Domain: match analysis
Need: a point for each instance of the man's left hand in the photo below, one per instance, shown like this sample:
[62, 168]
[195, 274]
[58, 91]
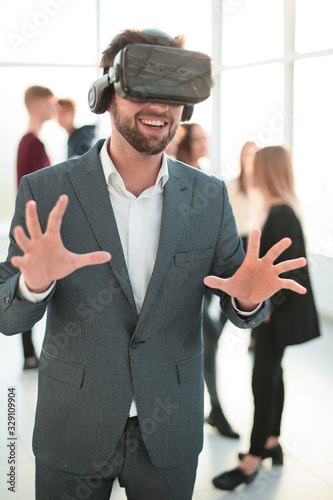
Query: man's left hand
[258, 279]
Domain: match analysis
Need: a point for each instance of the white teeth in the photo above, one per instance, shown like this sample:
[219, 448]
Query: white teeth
[153, 123]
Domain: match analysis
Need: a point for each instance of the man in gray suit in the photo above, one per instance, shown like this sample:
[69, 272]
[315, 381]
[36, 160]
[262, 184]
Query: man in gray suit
[120, 384]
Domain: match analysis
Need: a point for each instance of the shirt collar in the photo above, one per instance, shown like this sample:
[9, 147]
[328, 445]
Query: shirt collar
[112, 175]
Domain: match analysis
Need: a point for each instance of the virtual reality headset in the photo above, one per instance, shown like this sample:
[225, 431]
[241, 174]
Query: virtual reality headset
[155, 73]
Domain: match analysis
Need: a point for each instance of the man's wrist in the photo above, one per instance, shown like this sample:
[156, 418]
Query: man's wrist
[39, 290]
[26, 294]
[245, 305]
[241, 311]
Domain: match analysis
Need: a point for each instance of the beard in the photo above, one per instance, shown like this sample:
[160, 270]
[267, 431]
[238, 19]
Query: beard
[148, 146]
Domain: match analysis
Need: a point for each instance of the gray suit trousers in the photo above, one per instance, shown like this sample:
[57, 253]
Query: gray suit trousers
[130, 463]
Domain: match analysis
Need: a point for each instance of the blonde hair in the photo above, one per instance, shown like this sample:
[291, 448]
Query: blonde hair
[246, 148]
[273, 174]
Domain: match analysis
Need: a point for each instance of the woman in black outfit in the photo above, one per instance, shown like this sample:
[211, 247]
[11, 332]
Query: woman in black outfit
[292, 319]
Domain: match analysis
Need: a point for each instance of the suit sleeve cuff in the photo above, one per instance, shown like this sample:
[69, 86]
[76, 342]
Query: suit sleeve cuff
[25, 294]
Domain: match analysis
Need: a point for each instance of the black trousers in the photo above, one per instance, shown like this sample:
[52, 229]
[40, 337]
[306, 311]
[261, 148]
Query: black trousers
[28, 348]
[212, 331]
[267, 388]
[132, 466]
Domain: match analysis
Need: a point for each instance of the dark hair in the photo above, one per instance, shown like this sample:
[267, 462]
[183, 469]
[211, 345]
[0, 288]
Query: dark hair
[184, 146]
[129, 36]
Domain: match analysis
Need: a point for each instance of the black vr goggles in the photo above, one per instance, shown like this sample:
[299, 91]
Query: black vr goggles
[155, 73]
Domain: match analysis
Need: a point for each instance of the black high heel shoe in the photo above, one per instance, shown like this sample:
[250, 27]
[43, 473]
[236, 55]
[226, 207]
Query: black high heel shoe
[30, 363]
[276, 454]
[231, 479]
[217, 419]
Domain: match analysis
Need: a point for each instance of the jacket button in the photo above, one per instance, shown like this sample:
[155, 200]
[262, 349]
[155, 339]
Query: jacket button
[7, 298]
[136, 342]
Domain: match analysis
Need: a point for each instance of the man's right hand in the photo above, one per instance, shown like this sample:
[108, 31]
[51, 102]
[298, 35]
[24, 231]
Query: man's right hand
[45, 259]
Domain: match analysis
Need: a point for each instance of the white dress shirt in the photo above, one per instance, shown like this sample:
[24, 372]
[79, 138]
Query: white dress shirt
[138, 222]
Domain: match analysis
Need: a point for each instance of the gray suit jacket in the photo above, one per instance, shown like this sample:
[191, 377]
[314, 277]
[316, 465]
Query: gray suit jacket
[97, 352]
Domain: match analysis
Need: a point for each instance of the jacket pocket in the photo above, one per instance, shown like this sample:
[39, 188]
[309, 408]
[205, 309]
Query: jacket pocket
[188, 258]
[190, 368]
[67, 372]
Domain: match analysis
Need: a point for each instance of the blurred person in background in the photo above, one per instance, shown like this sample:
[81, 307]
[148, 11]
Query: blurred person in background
[292, 320]
[80, 139]
[41, 105]
[247, 206]
[246, 201]
[172, 148]
[192, 146]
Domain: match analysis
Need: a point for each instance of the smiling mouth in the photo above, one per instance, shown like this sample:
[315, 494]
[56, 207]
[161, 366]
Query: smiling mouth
[155, 124]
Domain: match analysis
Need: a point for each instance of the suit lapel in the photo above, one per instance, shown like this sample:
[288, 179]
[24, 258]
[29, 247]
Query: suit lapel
[90, 187]
[177, 198]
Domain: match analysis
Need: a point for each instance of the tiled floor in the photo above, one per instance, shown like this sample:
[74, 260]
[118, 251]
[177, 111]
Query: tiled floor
[307, 425]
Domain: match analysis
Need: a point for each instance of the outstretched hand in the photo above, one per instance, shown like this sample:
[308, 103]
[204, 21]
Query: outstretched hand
[258, 279]
[45, 259]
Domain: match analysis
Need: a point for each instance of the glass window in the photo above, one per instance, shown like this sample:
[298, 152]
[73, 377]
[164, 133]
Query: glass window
[49, 32]
[313, 132]
[313, 27]
[44, 42]
[64, 82]
[251, 109]
[251, 31]
[189, 17]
